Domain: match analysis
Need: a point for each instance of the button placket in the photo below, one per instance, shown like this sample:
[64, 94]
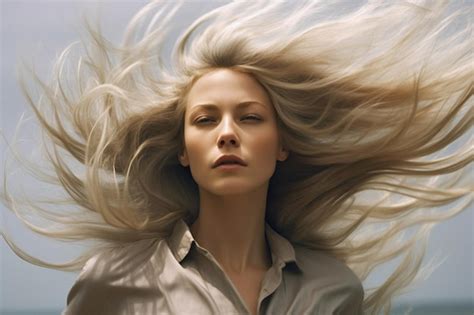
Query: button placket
[209, 291]
[270, 285]
[217, 266]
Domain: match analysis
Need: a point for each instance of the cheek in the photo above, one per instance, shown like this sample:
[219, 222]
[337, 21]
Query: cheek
[266, 146]
[194, 146]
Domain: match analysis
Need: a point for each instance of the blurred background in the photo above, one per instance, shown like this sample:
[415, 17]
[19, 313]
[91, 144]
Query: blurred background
[36, 32]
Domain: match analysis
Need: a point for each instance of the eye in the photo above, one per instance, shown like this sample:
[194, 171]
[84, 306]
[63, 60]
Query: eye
[252, 117]
[202, 120]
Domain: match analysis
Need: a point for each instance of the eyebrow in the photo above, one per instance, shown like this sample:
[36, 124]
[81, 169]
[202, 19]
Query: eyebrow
[212, 107]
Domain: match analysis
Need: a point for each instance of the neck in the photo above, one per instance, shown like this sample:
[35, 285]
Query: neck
[232, 229]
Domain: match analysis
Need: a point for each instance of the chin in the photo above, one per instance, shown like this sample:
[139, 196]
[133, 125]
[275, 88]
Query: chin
[231, 187]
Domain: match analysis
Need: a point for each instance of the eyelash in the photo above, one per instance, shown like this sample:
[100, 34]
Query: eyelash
[199, 121]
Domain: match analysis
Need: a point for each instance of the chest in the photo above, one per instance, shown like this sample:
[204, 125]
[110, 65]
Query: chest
[249, 286]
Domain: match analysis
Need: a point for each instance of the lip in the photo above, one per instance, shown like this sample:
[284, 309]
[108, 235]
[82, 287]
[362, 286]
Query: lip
[233, 158]
[229, 167]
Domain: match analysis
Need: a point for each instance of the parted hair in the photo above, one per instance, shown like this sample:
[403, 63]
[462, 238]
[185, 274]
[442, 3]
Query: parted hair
[367, 99]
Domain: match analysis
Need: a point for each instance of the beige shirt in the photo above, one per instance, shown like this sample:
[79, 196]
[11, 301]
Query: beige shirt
[177, 276]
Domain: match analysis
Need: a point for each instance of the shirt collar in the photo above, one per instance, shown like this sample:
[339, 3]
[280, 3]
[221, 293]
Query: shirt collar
[181, 240]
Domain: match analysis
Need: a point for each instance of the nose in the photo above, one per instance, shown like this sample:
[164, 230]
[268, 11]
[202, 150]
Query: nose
[228, 135]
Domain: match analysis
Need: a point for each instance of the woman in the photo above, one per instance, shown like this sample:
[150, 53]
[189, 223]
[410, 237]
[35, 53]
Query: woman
[318, 119]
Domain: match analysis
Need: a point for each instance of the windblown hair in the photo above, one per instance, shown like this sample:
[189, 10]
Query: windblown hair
[367, 101]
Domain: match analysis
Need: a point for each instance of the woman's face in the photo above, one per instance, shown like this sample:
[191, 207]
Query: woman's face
[238, 119]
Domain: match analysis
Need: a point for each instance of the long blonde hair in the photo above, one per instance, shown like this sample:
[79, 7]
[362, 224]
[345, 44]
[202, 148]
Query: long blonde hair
[367, 101]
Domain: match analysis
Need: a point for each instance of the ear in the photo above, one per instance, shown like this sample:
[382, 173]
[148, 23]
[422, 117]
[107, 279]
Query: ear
[183, 158]
[283, 154]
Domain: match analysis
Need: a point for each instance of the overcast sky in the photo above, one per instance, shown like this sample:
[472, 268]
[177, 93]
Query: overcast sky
[37, 31]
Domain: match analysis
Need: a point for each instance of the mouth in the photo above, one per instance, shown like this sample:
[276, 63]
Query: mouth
[229, 166]
[229, 161]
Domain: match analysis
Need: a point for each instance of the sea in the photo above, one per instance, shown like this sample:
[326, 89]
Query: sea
[466, 309]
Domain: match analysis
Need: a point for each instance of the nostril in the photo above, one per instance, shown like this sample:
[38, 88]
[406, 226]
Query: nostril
[222, 142]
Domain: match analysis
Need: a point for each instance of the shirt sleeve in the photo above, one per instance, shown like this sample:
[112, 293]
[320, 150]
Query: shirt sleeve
[332, 287]
[91, 294]
[353, 303]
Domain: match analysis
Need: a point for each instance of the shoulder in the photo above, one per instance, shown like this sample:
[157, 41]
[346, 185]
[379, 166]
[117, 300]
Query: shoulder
[317, 263]
[108, 276]
[331, 279]
[119, 261]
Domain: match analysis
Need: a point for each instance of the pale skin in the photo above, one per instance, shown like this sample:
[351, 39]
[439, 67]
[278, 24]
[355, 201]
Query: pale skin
[231, 221]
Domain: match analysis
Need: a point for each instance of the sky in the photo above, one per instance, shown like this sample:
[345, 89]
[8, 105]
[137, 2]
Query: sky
[36, 32]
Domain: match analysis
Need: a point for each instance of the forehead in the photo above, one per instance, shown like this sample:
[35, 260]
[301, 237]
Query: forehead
[226, 86]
